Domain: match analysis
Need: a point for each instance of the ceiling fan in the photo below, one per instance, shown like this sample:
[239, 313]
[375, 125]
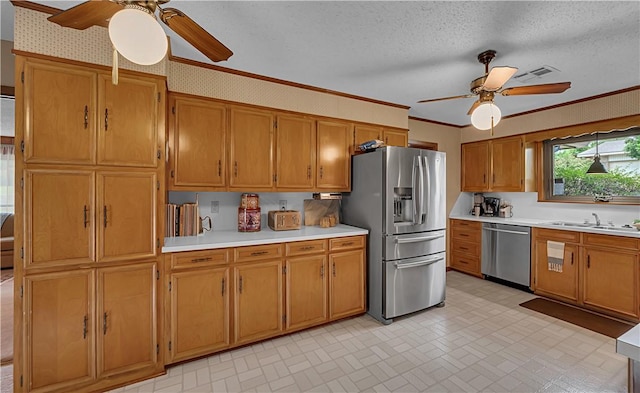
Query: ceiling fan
[490, 84]
[101, 12]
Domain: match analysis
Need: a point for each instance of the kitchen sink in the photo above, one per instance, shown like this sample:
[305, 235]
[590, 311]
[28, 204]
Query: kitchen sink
[592, 225]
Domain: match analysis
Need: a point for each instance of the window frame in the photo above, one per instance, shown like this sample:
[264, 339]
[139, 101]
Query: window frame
[546, 173]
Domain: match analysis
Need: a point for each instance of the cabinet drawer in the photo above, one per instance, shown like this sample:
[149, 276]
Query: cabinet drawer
[465, 225]
[466, 247]
[465, 262]
[559, 235]
[199, 258]
[255, 253]
[306, 247]
[593, 239]
[467, 235]
[346, 243]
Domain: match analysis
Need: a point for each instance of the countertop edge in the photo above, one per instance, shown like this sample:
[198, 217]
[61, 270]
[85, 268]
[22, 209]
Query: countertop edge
[539, 223]
[629, 343]
[232, 238]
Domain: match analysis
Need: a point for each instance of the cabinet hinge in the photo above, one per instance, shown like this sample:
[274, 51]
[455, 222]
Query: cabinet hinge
[22, 182]
[158, 155]
[21, 381]
[169, 291]
[22, 146]
[158, 185]
[169, 345]
[275, 124]
[172, 173]
[284, 319]
[284, 270]
[157, 274]
[173, 110]
[275, 177]
[157, 243]
[158, 96]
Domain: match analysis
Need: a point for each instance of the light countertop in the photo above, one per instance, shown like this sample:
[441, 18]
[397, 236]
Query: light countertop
[233, 238]
[629, 344]
[546, 223]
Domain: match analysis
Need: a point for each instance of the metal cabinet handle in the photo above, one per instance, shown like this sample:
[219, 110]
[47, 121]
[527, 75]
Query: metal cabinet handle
[572, 258]
[240, 286]
[322, 271]
[223, 287]
[257, 253]
[106, 119]
[196, 260]
[86, 218]
[219, 168]
[104, 215]
[85, 327]
[235, 168]
[86, 117]
[307, 248]
[588, 261]
[104, 324]
[321, 171]
[334, 269]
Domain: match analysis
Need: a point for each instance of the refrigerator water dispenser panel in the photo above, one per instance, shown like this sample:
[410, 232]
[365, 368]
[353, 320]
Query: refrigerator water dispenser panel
[402, 205]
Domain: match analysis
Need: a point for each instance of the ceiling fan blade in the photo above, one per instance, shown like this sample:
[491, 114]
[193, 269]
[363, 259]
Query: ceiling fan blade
[87, 14]
[549, 88]
[497, 77]
[186, 28]
[473, 107]
[447, 98]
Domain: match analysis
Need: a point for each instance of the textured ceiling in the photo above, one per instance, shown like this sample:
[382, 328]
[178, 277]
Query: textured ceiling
[402, 52]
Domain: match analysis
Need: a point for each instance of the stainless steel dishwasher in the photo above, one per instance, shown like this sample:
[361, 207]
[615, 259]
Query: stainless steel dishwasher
[506, 252]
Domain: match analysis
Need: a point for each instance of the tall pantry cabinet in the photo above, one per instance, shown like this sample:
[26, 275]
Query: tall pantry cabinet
[90, 168]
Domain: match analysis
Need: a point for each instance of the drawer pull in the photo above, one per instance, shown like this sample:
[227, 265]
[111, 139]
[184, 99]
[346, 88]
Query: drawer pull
[307, 248]
[258, 253]
[347, 244]
[464, 248]
[463, 262]
[196, 260]
[463, 234]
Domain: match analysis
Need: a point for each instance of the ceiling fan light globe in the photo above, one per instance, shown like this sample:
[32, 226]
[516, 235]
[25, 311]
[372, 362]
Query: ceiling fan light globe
[138, 36]
[481, 116]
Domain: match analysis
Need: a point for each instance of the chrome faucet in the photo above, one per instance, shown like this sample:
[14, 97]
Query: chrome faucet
[597, 219]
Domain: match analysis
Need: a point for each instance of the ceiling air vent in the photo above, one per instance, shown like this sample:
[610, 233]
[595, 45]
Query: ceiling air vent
[538, 73]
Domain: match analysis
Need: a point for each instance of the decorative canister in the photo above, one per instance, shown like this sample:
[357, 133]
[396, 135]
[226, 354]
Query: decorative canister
[250, 201]
[248, 220]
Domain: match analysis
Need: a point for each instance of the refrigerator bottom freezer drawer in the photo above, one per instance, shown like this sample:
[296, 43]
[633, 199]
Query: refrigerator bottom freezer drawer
[414, 284]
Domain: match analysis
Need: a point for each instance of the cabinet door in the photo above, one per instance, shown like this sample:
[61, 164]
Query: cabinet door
[198, 138]
[251, 149]
[126, 215]
[366, 133]
[396, 138]
[475, 166]
[199, 312]
[295, 153]
[127, 321]
[60, 105]
[128, 121]
[258, 301]
[507, 172]
[59, 217]
[59, 334]
[333, 170]
[346, 284]
[611, 280]
[563, 284]
[306, 291]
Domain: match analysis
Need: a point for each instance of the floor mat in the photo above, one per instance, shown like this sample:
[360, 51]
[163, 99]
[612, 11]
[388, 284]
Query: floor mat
[588, 320]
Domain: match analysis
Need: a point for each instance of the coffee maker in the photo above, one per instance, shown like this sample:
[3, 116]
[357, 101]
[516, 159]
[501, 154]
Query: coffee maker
[478, 204]
[491, 207]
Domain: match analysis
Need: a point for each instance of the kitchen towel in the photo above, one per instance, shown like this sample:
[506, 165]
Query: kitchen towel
[555, 255]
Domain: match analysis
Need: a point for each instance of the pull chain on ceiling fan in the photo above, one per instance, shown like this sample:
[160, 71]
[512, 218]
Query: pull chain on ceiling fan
[484, 113]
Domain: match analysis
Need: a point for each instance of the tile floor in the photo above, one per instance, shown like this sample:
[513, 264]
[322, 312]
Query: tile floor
[481, 341]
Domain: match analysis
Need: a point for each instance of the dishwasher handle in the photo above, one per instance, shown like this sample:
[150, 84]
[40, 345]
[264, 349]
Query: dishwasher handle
[418, 264]
[505, 231]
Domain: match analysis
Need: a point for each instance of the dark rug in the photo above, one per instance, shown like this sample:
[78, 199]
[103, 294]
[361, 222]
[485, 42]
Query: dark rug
[595, 322]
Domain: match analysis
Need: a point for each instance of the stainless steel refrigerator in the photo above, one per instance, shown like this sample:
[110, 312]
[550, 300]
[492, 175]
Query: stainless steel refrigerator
[398, 194]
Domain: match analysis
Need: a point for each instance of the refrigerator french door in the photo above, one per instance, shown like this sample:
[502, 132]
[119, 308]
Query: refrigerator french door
[398, 194]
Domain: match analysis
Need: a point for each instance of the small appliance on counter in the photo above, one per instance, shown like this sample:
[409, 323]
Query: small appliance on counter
[506, 210]
[284, 220]
[478, 204]
[249, 213]
[491, 207]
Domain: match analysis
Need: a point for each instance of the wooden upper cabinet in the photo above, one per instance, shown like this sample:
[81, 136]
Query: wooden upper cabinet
[507, 169]
[295, 152]
[475, 166]
[396, 137]
[333, 171]
[251, 149]
[127, 319]
[197, 144]
[75, 115]
[59, 217]
[60, 330]
[60, 114]
[364, 133]
[128, 121]
[126, 224]
[494, 165]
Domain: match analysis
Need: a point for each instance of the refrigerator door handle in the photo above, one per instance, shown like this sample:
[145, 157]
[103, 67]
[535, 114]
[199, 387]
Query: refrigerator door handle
[418, 239]
[417, 264]
[419, 198]
[414, 187]
[426, 188]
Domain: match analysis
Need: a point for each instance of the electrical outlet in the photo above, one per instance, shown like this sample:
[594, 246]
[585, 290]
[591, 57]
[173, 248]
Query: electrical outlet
[215, 206]
[283, 204]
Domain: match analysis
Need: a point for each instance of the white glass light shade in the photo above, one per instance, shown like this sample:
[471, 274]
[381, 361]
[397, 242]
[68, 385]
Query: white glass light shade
[138, 36]
[481, 117]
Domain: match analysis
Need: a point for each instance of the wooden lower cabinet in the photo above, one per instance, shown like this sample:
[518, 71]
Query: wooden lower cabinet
[258, 300]
[199, 312]
[306, 291]
[346, 284]
[554, 283]
[465, 246]
[86, 327]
